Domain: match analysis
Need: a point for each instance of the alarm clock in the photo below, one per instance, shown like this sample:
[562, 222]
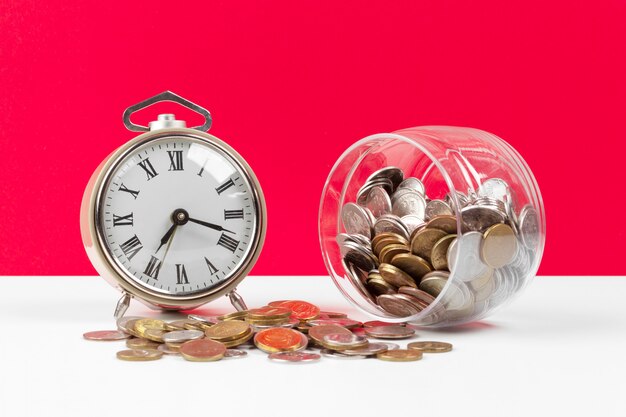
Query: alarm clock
[175, 217]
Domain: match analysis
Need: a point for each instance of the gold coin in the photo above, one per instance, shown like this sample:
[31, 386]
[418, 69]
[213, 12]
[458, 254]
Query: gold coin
[268, 313]
[395, 276]
[424, 240]
[156, 335]
[140, 343]
[139, 355]
[389, 251]
[439, 254]
[433, 285]
[227, 330]
[379, 286]
[400, 355]
[130, 327]
[194, 325]
[445, 223]
[142, 325]
[381, 244]
[237, 315]
[413, 265]
[430, 347]
[178, 324]
[174, 346]
[239, 341]
[389, 235]
[499, 245]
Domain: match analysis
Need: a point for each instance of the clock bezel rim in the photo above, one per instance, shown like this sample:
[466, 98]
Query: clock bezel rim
[109, 268]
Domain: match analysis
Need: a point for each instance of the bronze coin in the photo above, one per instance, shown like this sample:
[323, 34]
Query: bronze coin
[378, 286]
[400, 355]
[430, 347]
[395, 276]
[419, 294]
[396, 306]
[203, 350]
[413, 265]
[439, 254]
[424, 240]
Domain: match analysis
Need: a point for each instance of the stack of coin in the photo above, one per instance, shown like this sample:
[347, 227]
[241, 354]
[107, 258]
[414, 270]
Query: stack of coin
[400, 247]
[268, 328]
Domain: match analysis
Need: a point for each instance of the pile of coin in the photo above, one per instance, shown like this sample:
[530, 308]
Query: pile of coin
[287, 330]
[400, 247]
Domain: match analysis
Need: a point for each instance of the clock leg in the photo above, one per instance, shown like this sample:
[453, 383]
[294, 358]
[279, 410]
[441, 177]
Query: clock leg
[237, 301]
[122, 306]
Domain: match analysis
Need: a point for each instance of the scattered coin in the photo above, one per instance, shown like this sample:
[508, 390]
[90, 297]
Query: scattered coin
[106, 335]
[430, 347]
[235, 353]
[140, 343]
[294, 357]
[180, 336]
[339, 341]
[278, 339]
[370, 349]
[202, 350]
[139, 355]
[400, 355]
[167, 350]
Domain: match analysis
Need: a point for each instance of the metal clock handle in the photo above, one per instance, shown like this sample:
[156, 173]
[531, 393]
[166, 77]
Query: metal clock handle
[237, 300]
[166, 96]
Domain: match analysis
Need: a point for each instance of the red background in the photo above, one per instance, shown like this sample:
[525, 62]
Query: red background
[291, 84]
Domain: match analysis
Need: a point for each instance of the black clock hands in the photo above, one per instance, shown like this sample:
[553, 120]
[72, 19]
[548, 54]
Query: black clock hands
[166, 237]
[211, 225]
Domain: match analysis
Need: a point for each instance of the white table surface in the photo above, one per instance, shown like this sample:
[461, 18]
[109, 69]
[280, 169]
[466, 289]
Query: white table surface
[559, 349]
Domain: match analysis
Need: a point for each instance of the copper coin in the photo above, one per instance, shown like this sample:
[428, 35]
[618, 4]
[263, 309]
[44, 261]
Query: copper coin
[318, 333]
[202, 350]
[499, 245]
[390, 332]
[396, 306]
[106, 335]
[301, 310]
[424, 240]
[400, 355]
[294, 357]
[395, 276]
[430, 347]
[413, 265]
[278, 339]
[419, 294]
[379, 286]
[333, 315]
[377, 323]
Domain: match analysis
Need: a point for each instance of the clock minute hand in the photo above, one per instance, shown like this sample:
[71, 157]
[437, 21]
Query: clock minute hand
[211, 225]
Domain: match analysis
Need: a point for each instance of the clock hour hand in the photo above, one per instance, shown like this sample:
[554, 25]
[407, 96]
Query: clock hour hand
[211, 225]
[166, 237]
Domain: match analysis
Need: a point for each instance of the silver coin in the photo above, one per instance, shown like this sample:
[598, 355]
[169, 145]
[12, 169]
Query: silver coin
[180, 336]
[235, 353]
[414, 184]
[395, 175]
[203, 319]
[122, 321]
[338, 355]
[389, 345]
[457, 296]
[294, 357]
[481, 289]
[467, 265]
[529, 227]
[356, 220]
[357, 277]
[495, 188]
[359, 256]
[345, 340]
[361, 196]
[378, 202]
[409, 204]
[437, 208]
[461, 198]
[391, 223]
[167, 350]
[369, 350]
[479, 218]
[412, 223]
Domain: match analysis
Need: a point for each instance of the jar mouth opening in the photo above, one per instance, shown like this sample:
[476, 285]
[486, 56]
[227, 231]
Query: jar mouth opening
[357, 155]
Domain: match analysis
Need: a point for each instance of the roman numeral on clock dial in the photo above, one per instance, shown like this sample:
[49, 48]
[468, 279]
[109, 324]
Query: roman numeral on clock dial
[176, 160]
[129, 191]
[225, 186]
[131, 247]
[153, 268]
[233, 214]
[228, 242]
[146, 165]
[123, 220]
[212, 269]
[181, 274]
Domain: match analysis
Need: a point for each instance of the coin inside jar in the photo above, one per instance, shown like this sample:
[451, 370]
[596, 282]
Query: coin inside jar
[396, 306]
[499, 245]
[390, 332]
[445, 223]
[413, 265]
[389, 251]
[396, 276]
[439, 254]
[424, 240]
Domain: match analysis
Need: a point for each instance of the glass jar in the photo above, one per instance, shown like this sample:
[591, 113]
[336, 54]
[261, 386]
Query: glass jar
[478, 195]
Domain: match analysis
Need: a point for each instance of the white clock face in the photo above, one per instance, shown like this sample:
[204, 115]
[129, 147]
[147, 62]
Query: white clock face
[178, 216]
